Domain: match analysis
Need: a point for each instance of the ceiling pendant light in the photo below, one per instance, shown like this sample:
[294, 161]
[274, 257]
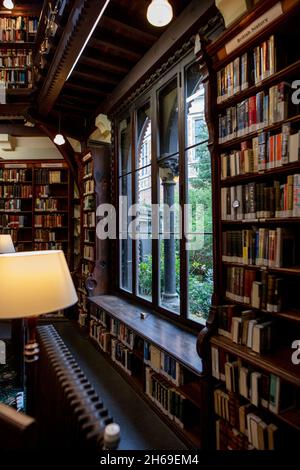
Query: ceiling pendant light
[59, 138]
[159, 13]
[9, 4]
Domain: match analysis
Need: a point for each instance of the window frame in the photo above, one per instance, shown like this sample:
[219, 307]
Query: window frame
[151, 96]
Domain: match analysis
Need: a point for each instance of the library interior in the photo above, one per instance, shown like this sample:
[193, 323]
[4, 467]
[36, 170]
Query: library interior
[149, 196]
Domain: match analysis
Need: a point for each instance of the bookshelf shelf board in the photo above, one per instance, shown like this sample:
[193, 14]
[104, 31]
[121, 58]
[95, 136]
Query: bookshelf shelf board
[16, 197]
[54, 211]
[88, 210]
[291, 314]
[8, 182]
[51, 197]
[86, 242]
[281, 220]
[90, 260]
[291, 417]
[18, 44]
[268, 82]
[51, 184]
[166, 336]
[247, 136]
[278, 362]
[287, 169]
[51, 228]
[295, 270]
[86, 177]
[14, 211]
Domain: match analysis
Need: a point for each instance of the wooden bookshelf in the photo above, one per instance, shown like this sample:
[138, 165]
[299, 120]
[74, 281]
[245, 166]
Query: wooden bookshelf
[237, 81]
[169, 340]
[45, 233]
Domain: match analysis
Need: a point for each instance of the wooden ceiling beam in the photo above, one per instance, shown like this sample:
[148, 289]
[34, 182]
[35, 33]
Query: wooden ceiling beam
[84, 89]
[97, 77]
[19, 130]
[108, 65]
[80, 22]
[116, 49]
[128, 31]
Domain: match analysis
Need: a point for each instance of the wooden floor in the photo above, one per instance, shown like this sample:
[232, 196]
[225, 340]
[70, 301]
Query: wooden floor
[141, 428]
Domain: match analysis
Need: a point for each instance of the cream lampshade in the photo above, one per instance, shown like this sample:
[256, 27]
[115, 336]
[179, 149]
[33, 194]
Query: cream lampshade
[6, 244]
[34, 283]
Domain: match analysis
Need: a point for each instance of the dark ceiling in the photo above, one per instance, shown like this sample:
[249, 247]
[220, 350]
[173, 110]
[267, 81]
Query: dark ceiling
[122, 37]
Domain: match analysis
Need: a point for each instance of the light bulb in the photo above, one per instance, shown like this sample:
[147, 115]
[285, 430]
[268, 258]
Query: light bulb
[59, 139]
[9, 4]
[159, 13]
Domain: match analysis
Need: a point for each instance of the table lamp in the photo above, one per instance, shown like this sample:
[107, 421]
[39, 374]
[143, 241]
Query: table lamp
[6, 244]
[33, 284]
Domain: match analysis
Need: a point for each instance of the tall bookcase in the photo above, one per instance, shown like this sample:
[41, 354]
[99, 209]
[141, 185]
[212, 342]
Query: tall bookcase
[17, 39]
[88, 234]
[35, 205]
[94, 252]
[254, 141]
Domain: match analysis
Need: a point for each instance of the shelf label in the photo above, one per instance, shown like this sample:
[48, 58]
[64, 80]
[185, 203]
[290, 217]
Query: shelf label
[15, 165]
[87, 157]
[52, 165]
[254, 28]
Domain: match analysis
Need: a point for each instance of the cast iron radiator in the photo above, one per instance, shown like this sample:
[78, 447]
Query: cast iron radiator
[68, 411]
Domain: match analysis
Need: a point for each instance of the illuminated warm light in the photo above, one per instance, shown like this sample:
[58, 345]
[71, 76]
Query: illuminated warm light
[88, 38]
[59, 139]
[9, 4]
[159, 13]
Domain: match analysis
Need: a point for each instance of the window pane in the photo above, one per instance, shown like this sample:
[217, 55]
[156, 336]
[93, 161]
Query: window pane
[168, 119]
[143, 137]
[144, 228]
[196, 128]
[169, 228]
[125, 239]
[199, 189]
[125, 145]
[200, 277]
[199, 233]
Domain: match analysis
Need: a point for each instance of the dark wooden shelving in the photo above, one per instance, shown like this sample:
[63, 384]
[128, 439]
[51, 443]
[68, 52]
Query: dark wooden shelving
[274, 127]
[283, 74]
[295, 270]
[278, 362]
[278, 221]
[283, 170]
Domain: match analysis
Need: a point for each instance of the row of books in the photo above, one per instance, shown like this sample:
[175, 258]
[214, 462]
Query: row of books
[100, 334]
[170, 401]
[242, 286]
[42, 191]
[14, 221]
[22, 58]
[85, 268]
[15, 175]
[89, 235]
[10, 205]
[98, 314]
[16, 76]
[46, 204]
[53, 220]
[89, 252]
[117, 350]
[45, 235]
[89, 220]
[262, 200]
[249, 69]
[19, 23]
[260, 247]
[264, 152]
[89, 187]
[44, 176]
[162, 363]
[122, 332]
[48, 246]
[255, 113]
[88, 168]
[89, 203]
[15, 191]
[251, 431]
